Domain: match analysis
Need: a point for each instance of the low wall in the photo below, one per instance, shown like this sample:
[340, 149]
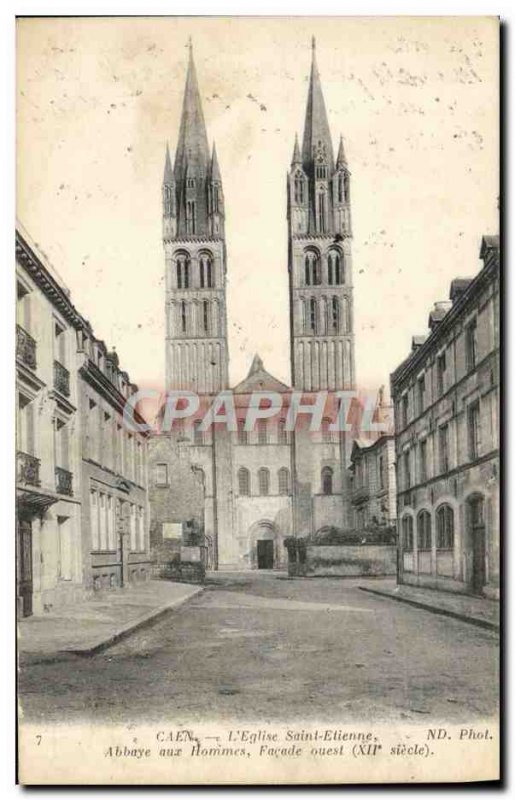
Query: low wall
[348, 560]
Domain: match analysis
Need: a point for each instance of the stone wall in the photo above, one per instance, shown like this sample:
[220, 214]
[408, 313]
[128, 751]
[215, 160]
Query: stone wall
[322, 560]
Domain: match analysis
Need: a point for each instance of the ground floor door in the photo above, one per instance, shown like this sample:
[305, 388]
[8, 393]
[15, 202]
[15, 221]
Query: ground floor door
[265, 553]
[24, 571]
[477, 539]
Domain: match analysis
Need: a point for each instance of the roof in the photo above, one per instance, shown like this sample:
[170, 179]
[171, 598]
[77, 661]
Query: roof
[192, 145]
[316, 125]
[259, 380]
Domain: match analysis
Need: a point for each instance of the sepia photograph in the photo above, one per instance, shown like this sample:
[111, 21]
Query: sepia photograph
[258, 400]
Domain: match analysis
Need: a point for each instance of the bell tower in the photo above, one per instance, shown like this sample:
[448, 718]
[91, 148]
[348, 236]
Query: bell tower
[195, 255]
[319, 254]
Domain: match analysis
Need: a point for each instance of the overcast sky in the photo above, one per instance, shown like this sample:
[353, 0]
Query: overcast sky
[415, 99]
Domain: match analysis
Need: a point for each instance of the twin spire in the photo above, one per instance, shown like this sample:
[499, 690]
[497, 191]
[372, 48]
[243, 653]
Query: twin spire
[317, 135]
[192, 155]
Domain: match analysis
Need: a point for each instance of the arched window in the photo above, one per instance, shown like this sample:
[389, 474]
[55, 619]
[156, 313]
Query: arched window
[167, 201]
[205, 316]
[299, 188]
[243, 437]
[198, 435]
[313, 320]
[206, 271]
[345, 324]
[244, 481]
[327, 480]
[191, 222]
[312, 276]
[282, 433]
[334, 268]
[183, 317]
[183, 271]
[424, 530]
[341, 187]
[321, 207]
[445, 528]
[262, 432]
[407, 533]
[335, 315]
[283, 478]
[264, 481]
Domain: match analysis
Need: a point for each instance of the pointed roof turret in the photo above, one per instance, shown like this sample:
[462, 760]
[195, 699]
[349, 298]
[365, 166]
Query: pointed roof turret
[316, 126]
[168, 176]
[296, 159]
[215, 169]
[192, 146]
[341, 161]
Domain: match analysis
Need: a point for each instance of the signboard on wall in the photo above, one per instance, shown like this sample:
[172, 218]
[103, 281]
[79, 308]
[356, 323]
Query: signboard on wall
[172, 530]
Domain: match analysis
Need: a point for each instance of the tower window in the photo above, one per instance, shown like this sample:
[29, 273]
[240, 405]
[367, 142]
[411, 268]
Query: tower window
[190, 183]
[299, 188]
[334, 268]
[205, 316]
[321, 212]
[190, 217]
[321, 172]
[167, 201]
[206, 271]
[341, 188]
[313, 315]
[335, 315]
[183, 316]
[183, 271]
[312, 276]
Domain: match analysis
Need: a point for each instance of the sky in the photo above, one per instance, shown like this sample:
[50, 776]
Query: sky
[416, 100]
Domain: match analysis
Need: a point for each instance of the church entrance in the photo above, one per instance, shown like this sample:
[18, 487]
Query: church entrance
[265, 554]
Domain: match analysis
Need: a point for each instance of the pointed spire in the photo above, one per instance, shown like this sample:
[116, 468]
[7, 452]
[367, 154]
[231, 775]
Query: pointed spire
[215, 169]
[296, 159]
[341, 161]
[316, 126]
[192, 146]
[168, 177]
[256, 366]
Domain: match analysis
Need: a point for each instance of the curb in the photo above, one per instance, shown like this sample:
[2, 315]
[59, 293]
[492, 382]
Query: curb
[131, 627]
[477, 621]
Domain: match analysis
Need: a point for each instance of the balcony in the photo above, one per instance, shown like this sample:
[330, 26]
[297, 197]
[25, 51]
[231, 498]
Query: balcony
[27, 469]
[61, 379]
[63, 481]
[25, 348]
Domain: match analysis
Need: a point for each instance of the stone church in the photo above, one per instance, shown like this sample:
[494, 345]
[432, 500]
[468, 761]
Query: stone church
[251, 489]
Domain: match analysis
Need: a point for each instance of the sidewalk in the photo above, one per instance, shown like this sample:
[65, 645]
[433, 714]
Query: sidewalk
[475, 610]
[89, 627]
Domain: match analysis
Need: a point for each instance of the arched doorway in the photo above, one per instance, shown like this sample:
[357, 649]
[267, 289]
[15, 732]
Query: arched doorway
[264, 545]
[477, 543]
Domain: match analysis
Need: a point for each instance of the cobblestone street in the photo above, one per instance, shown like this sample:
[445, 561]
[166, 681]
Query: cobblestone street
[260, 646]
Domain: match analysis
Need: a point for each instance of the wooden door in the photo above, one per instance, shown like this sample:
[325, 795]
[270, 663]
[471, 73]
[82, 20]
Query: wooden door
[477, 534]
[265, 554]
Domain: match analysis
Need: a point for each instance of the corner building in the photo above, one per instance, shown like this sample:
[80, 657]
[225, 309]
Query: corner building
[263, 485]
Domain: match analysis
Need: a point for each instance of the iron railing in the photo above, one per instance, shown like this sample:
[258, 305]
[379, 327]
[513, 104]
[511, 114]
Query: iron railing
[25, 347]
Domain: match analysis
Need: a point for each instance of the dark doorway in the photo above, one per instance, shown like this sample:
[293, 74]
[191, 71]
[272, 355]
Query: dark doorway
[25, 566]
[477, 539]
[265, 553]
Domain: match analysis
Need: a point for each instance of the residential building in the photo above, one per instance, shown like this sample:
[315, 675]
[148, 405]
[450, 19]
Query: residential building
[446, 397]
[81, 496]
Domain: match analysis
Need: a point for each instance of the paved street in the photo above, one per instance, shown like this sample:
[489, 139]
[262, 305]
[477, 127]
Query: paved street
[261, 646]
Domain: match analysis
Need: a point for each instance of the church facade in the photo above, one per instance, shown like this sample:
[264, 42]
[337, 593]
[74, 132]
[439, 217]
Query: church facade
[262, 485]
